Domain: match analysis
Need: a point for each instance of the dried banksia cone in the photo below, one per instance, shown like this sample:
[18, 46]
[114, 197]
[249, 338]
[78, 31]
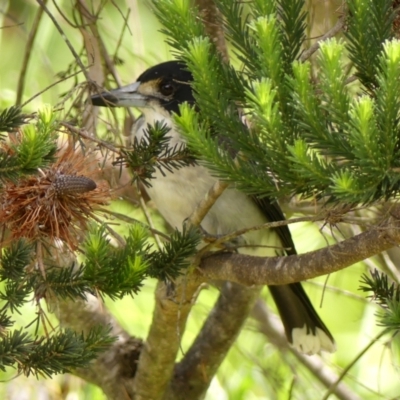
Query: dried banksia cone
[58, 203]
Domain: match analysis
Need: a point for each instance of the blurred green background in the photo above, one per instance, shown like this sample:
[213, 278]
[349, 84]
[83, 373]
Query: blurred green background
[254, 370]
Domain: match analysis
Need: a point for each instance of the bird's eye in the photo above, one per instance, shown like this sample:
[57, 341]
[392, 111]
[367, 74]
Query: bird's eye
[167, 89]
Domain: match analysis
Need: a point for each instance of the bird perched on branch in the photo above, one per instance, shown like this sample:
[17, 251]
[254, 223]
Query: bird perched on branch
[158, 92]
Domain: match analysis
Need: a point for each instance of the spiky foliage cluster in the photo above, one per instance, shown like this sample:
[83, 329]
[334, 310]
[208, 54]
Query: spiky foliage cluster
[49, 199]
[106, 271]
[62, 351]
[30, 148]
[309, 132]
[152, 153]
[11, 119]
[171, 261]
[125, 267]
[310, 137]
[387, 295]
[379, 20]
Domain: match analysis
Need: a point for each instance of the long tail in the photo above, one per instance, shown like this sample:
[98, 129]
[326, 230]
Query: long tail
[303, 327]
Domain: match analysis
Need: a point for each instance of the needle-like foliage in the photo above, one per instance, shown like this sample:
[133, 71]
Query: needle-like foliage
[170, 262]
[152, 153]
[60, 353]
[11, 119]
[304, 136]
[275, 125]
[387, 295]
[269, 123]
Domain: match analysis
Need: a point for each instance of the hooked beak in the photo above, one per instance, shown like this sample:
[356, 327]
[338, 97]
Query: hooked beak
[126, 96]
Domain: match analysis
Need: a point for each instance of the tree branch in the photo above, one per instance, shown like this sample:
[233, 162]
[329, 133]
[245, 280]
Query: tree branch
[113, 370]
[193, 375]
[64, 36]
[252, 270]
[331, 33]
[211, 18]
[157, 359]
[206, 203]
[27, 54]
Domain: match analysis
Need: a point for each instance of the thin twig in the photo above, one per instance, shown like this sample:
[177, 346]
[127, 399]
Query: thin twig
[124, 27]
[149, 220]
[215, 242]
[27, 54]
[273, 330]
[206, 203]
[130, 220]
[49, 87]
[68, 43]
[331, 33]
[84, 133]
[268, 225]
[70, 23]
[350, 365]
[334, 289]
[391, 266]
[39, 258]
[116, 235]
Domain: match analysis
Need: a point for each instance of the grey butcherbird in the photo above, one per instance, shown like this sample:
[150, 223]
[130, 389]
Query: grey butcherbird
[157, 93]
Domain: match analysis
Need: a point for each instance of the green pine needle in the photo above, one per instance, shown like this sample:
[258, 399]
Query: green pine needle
[115, 272]
[15, 259]
[173, 259]
[383, 291]
[387, 295]
[11, 119]
[153, 152]
[60, 353]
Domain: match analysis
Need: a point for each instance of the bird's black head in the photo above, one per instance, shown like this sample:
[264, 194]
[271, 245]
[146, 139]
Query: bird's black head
[165, 85]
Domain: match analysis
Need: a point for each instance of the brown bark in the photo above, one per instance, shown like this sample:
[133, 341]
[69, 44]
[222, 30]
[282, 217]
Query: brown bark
[211, 18]
[193, 375]
[114, 370]
[157, 359]
[251, 270]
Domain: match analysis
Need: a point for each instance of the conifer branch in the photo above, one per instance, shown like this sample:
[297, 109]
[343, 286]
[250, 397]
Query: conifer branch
[61, 352]
[153, 153]
[387, 295]
[169, 262]
[114, 369]
[11, 119]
